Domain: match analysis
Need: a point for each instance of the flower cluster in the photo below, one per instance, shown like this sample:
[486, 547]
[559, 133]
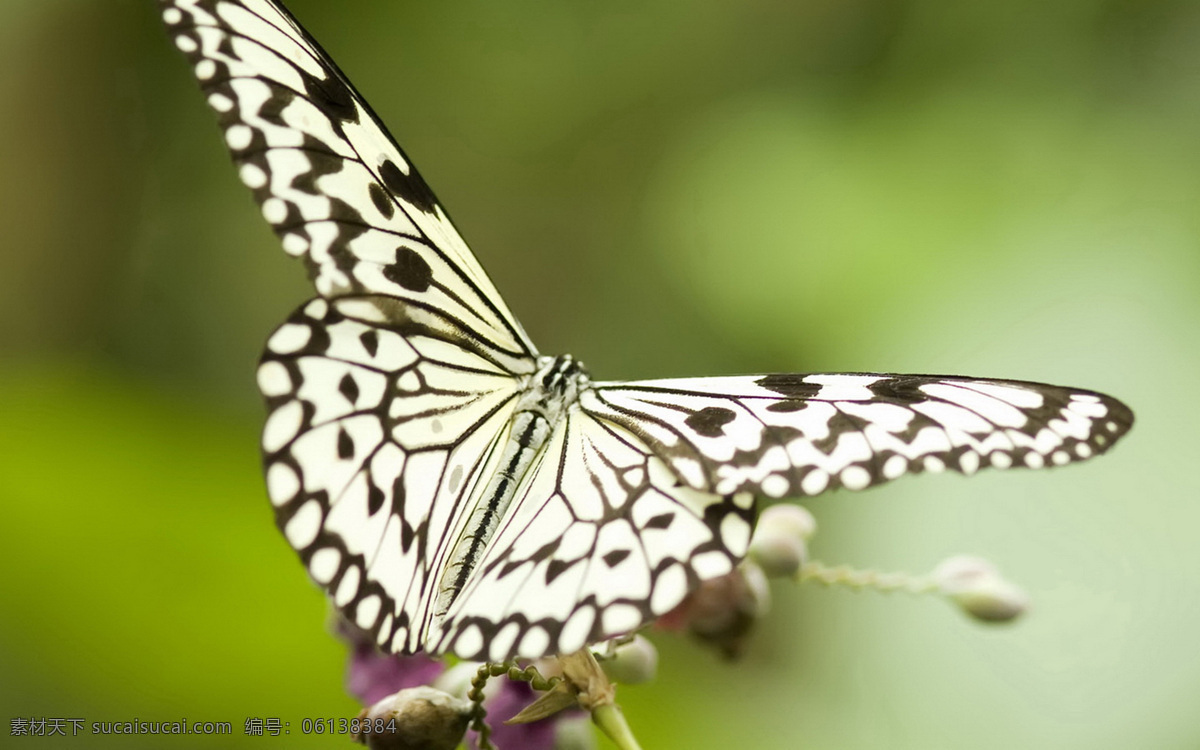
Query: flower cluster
[423, 703]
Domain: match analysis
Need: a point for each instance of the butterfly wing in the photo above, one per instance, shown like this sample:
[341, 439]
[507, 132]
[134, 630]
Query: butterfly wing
[389, 397]
[377, 437]
[601, 539]
[329, 178]
[800, 435]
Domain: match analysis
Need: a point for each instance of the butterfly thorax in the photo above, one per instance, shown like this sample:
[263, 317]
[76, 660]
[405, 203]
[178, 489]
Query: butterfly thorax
[554, 386]
[549, 393]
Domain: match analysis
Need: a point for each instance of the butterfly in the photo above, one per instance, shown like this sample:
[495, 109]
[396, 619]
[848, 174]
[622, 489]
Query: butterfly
[455, 491]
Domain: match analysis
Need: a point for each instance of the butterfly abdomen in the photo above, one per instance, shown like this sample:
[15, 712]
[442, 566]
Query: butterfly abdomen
[550, 392]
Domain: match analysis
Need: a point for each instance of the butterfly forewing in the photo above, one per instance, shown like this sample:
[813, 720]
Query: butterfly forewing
[329, 178]
[793, 435]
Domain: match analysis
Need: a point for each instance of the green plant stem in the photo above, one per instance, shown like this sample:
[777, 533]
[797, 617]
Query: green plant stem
[844, 575]
[612, 722]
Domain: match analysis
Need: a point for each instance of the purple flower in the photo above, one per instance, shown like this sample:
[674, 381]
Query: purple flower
[372, 676]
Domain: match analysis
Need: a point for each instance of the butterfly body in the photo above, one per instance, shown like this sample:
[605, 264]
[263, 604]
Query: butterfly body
[455, 492]
[551, 390]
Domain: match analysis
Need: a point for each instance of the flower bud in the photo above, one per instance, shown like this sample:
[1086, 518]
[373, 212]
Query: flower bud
[457, 679]
[978, 589]
[722, 610]
[419, 718]
[759, 602]
[792, 518]
[778, 556]
[779, 542]
[633, 663]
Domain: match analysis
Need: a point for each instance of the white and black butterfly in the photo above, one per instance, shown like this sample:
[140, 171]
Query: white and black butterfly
[456, 492]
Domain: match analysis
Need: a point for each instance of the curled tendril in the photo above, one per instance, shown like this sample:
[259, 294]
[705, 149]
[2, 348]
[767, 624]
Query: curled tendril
[478, 712]
[513, 671]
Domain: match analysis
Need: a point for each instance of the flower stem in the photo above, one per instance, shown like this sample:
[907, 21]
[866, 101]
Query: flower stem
[612, 722]
[844, 575]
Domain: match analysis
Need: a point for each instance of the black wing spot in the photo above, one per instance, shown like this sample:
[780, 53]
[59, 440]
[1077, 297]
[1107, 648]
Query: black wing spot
[370, 341]
[509, 567]
[790, 385]
[321, 164]
[351, 222]
[375, 498]
[348, 388]
[272, 109]
[332, 97]
[661, 521]
[410, 187]
[556, 567]
[382, 200]
[839, 424]
[225, 46]
[345, 446]
[790, 405]
[711, 420]
[410, 270]
[906, 390]
[615, 558]
[547, 549]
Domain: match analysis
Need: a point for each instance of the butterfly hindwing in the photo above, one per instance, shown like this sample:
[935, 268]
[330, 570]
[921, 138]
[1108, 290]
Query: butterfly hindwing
[791, 435]
[603, 538]
[329, 178]
[376, 439]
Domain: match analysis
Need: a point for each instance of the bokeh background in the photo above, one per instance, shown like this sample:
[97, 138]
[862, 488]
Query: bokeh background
[661, 188]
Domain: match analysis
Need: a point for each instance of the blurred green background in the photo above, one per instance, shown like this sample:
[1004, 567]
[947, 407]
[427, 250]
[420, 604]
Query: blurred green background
[661, 188]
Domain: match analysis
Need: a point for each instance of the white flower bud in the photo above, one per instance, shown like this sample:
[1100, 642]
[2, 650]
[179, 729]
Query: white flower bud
[457, 679]
[779, 541]
[978, 589]
[759, 588]
[795, 518]
[419, 718]
[778, 556]
[962, 572]
[633, 663]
